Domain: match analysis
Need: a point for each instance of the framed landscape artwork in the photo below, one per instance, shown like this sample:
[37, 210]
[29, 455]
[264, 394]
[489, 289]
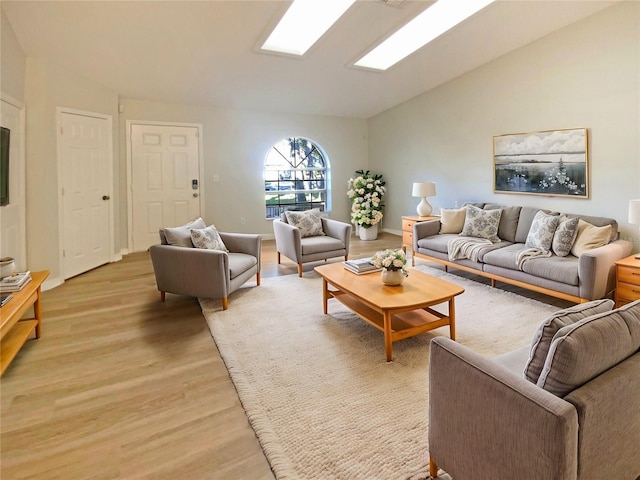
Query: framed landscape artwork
[550, 162]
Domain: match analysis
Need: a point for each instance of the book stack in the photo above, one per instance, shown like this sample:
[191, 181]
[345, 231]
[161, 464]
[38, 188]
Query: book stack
[360, 266]
[15, 282]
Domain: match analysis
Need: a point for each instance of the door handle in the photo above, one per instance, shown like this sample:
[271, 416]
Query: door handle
[106, 197]
[195, 195]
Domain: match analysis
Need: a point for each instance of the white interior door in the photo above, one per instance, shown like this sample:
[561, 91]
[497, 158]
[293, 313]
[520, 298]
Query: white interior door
[165, 179]
[85, 148]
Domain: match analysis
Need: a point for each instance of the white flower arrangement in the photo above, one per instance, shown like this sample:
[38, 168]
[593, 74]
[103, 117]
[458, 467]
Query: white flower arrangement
[391, 259]
[366, 192]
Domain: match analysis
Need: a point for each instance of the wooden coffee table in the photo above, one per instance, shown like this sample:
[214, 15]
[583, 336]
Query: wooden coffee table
[399, 311]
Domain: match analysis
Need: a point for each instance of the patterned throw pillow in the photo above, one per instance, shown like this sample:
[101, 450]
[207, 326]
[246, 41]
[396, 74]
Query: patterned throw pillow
[208, 238]
[452, 220]
[181, 236]
[589, 237]
[482, 223]
[547, 330]
[541, 231]
[565, 235]
[308, 222]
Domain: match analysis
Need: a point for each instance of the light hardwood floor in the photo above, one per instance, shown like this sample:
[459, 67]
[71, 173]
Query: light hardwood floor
[123, 386]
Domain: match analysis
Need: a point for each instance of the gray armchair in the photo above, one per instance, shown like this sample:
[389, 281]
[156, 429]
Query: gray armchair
[291, 244]
[207, 273]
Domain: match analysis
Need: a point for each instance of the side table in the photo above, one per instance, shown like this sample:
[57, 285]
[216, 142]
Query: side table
[14, 330]
[407, 229]
[627, 280]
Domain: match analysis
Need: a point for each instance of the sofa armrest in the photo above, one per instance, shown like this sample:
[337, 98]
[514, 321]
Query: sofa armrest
[243, 243]
[596, 269]
[288, 240]
[486, 422]
[423, 230]
[197, 272]
[337, 229]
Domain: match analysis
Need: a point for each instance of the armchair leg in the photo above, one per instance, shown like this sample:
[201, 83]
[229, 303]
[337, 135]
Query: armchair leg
[433, 468]
[278, 258]
[225, 303]
[258, 279]
[162, 294]
[346, 257]
[300, 270]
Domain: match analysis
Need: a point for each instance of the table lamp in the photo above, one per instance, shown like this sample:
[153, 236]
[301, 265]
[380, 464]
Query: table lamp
[634, 214]
[424, 190]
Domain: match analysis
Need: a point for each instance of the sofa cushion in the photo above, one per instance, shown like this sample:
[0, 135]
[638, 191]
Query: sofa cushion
[584, 350]
[318, 244]
[558, 269]
[541, 232]
[590, 237]
[240, 263]
[452, 219]
[504, 257]
[208, 238]
[180, 236]
[547, 330]
[565, 235]
[527, 214]
[308, 222]
[481, 223]
[508, 221]
[600, 222]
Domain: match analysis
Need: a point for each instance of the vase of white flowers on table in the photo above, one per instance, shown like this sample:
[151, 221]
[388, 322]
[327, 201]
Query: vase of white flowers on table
[393, 264]
[366, 192]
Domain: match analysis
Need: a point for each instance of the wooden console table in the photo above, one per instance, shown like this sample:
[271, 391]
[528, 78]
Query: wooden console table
[15, 331]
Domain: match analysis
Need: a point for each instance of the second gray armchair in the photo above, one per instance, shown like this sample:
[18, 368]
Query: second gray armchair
[303, 245]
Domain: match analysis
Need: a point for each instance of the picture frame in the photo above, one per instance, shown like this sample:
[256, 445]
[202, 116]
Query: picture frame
[546, 162]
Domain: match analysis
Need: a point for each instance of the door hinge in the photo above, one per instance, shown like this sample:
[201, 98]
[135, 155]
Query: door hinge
[61, 130]
[64, 253]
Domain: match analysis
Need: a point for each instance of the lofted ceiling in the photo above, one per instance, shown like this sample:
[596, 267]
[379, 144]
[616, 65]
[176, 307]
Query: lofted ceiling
[207, 52]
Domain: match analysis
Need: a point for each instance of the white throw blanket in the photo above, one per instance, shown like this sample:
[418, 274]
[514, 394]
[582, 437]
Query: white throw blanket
[528, 254]
[466, 247]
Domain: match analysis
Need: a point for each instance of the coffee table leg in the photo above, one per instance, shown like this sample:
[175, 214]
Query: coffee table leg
[388, 344]
[325, 293]
[452, 318]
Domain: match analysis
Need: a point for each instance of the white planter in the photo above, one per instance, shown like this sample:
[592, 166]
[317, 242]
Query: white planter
[392, 277]
[370, 233]
[7, 267]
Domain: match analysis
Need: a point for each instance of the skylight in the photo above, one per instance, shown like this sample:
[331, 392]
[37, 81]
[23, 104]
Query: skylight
[303, 24]
[429, 25]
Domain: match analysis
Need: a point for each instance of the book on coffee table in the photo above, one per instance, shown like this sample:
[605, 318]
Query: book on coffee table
[361, 266]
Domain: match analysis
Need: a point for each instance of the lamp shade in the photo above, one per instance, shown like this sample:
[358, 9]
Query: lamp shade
[424, 189]
[634, 212]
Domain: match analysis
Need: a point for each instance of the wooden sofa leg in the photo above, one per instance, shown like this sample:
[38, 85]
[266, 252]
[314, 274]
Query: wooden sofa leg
[278, 258]
[162, 296]
[300, 270]
[433, 468]
[258, 279]
[225, 303]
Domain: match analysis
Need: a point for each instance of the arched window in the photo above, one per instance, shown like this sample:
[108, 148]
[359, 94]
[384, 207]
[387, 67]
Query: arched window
[296, 177]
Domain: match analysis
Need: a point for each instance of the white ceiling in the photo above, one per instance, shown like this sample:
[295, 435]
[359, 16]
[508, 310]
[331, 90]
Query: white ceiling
[206, 52]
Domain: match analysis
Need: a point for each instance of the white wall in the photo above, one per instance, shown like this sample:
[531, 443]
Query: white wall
[235, 144]
[12, 60]
[585, 75]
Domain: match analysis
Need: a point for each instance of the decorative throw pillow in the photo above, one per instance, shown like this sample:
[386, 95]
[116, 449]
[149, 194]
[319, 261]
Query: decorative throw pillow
[309, 222]
[582, 351]
[543, 337]
[452, 219]
[541, 231]
[590, 237]
[481, 223]
[208, 238]
[181, 236]
[565, 235]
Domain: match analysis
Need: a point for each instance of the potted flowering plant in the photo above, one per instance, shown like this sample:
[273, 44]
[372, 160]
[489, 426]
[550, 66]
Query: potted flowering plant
[393, 264]
[366, 192]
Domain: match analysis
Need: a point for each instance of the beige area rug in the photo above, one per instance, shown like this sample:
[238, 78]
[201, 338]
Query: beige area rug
[317, 389]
